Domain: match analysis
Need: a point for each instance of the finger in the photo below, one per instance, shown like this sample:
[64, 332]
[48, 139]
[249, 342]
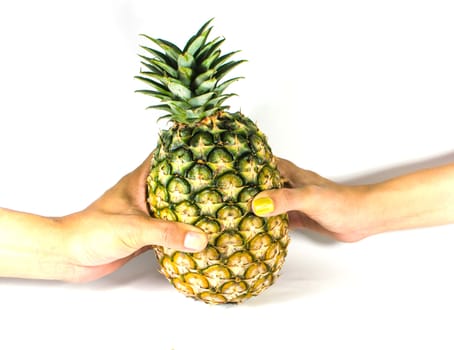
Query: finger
[143, 169]
[275, 202]
[129, 191]
[145, 231]
[297, 177]
[134, 184]
[288, 170]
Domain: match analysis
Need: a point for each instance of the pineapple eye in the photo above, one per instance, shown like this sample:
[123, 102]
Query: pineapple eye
[268, 178]
[209, 254]
[272, 251]
[230, 184]
[220, 155]
[217, 272]
[166, 214]
[228, 180]
[184, 262]
[181, 159]
[199, 176]
[187, 212]
[247, 194]
[229, 215]
[235, 143]
[278, 260]
[201, 143]
[229, 242]
[229, 211]
[256, 269]
[178, 189]
[179, 137]
[240, 259]
[226, 123]
[208, 225]
[212, 298]
[158, 199]
[208, 197]
[260, 147]
[201, 139]
[259, 245]
[169, 266]
[259, 242]
[196, 280]
[200, 172]
[183, 287]
[252, 223]
[208, 201]
[262, 283]
[165, 137]
[231, 138]
[220, 160]
[162, 168]
[234, 288]
[277, 226]
[249, 166]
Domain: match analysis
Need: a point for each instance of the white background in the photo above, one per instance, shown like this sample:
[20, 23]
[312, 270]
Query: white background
[355, 90]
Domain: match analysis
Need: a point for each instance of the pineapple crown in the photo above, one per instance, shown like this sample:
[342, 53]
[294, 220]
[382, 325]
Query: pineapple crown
[188, 81]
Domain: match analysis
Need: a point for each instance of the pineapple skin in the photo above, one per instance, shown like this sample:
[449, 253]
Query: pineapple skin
[206, 174]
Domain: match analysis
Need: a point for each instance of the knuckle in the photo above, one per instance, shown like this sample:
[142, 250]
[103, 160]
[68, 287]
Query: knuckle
[165, 235]
[286, 197]
[132, 237]
[168, 234]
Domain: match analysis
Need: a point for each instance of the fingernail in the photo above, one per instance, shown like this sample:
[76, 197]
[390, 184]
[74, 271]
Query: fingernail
[263, 205]
[195, 241]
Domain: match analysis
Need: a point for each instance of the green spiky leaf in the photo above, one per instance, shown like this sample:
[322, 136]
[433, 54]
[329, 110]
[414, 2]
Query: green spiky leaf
[208, 62]
[169, 48]
[166, 68]
[159, 87]
[207, 85]
[198, 40]
[210, 48]
[189, 82]
[185, 75]
[225, 68]
[186, 60]
[221, 87]
[158, 54]
[179, 90]
[204, 76]
[201, 100]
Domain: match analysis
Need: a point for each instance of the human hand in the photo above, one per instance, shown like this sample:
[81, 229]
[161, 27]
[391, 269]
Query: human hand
[317, 203]
[117, 227]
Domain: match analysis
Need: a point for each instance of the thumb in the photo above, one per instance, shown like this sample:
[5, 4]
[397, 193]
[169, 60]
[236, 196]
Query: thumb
[275, 202]
[168, 234]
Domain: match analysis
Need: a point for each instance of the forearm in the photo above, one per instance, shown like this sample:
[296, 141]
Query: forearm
[421, 199]
[31, 246]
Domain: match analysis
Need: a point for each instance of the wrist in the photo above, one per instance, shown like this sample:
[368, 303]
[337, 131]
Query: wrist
[386, 208]
[362, 217]
[372, 208]
[50, 252]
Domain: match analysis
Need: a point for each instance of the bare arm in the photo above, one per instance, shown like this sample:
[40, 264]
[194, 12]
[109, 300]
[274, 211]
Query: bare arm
[423, 198]
[31, 246]
[350, 213]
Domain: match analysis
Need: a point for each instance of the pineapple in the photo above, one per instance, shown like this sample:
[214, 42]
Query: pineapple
[206, 169]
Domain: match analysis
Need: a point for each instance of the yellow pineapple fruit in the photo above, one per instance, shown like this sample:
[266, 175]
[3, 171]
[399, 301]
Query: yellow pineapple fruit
[205, 171]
